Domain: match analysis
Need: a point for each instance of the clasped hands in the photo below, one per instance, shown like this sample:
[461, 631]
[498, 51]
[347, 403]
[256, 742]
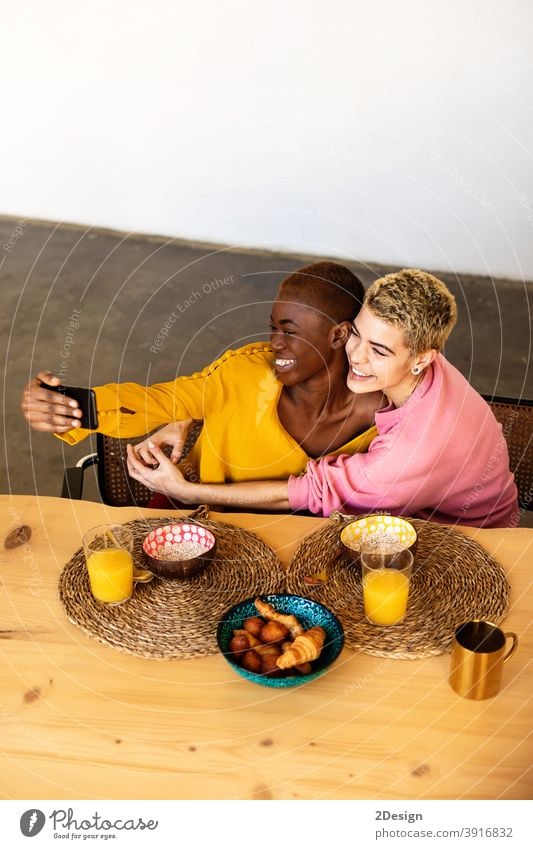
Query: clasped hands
[149, 465]
[166, 477]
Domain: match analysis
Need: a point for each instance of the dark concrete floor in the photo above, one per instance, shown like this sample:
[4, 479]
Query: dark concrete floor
[126, 287]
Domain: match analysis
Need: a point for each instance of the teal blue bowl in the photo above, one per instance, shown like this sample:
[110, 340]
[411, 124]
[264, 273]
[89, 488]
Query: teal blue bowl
[308, 613]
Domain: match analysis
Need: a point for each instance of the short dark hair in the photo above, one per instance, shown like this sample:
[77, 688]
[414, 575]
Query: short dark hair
[328, 287]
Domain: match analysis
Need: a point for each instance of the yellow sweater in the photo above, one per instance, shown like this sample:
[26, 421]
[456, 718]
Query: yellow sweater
[237, 398]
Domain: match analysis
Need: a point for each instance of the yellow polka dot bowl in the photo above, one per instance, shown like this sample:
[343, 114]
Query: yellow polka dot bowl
[380, 532]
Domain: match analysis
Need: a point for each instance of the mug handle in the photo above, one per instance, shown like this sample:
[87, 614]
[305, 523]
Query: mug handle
[514, 645]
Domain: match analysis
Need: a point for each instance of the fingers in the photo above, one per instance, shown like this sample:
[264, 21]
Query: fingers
[165, 478]
[132, 461]
[136, 467]
[137, 463]
[166, 465]
[56, 424]
[144, 474]
[177, 451]
[162, 437]
[39, 392]
[181, 430]
[46, 410]
[172, 435]
[158, 456]
[142, 453]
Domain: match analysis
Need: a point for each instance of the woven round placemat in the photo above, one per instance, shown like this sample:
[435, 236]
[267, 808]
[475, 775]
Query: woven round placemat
[167, 619]
[454, 580]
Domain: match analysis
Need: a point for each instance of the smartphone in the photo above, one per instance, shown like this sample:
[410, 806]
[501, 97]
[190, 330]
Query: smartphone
[86, 399]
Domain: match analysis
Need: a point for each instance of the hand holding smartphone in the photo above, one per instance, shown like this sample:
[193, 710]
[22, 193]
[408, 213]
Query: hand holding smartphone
[86, 399]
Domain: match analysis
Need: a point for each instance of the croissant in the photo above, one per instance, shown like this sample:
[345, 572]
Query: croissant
[289, 621]
[306, 646]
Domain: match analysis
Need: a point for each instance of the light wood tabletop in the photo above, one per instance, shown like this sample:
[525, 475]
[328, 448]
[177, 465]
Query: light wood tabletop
[80, 720]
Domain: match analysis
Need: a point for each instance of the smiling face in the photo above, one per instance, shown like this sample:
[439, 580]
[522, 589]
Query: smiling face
[300, 340]
[379, 359]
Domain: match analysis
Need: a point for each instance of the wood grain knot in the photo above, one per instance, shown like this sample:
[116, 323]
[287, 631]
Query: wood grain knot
[7, 635]
[266, 742]
[261, 791]
[18, 536]
[32, 695]
[421, 770]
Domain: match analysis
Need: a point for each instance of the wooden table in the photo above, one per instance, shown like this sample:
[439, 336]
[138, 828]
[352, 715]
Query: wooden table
[79, 720]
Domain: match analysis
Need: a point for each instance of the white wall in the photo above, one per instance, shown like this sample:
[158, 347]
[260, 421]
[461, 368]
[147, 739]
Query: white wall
[377, 130]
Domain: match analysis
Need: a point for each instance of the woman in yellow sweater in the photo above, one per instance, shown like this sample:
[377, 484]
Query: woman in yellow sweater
[266, 409]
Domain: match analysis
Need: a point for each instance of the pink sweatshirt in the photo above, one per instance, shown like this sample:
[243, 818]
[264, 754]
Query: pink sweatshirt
[441, 456]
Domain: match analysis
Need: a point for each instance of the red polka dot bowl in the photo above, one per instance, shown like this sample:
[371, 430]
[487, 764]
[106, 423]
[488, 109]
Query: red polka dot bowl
[179, 550]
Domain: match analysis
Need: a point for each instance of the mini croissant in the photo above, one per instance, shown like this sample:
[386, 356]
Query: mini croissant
[304, 648]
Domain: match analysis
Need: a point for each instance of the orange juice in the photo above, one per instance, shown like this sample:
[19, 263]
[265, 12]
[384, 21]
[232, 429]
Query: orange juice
[385, 593]
[111, 574]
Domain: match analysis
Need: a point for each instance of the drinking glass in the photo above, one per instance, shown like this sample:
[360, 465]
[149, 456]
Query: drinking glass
[109, 558]
[386, 578]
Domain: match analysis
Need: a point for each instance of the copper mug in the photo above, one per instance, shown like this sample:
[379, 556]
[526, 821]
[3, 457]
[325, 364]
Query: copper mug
[478, 654]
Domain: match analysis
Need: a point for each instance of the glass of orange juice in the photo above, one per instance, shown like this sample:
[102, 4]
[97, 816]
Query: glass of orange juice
[109, 557]
[386, 577]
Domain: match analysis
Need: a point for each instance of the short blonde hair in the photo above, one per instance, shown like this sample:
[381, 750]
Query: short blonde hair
[418, 304]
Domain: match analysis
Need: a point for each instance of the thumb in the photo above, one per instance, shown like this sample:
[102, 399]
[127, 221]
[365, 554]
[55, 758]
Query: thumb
[47, 377]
